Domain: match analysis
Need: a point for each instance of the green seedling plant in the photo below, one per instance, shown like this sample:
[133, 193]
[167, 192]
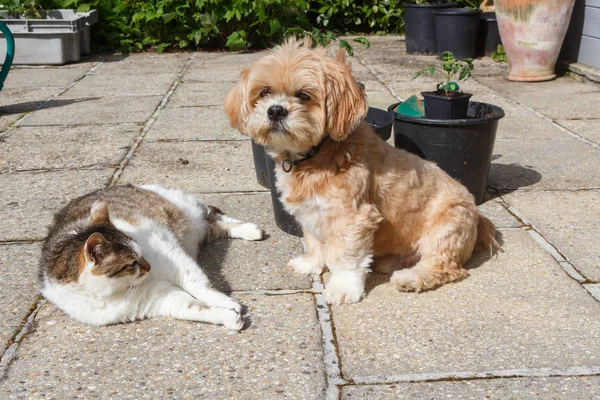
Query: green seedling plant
[451, 70]
[499, 55]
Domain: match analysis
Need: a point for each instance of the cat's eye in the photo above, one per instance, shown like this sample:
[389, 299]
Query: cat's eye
[266, 91]
[303, 97]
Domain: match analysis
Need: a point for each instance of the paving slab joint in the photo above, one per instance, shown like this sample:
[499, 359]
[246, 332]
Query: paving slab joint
[379, 78]
[149, 123]
[17, 122]
[21, 332]
[546, 244]
[592, 370]
[544, 117]
[331, 356]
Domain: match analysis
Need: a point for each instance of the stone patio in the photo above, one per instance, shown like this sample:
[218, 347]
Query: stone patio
[525, 324]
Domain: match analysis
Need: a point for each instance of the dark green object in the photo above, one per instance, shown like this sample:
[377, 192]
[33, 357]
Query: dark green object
[10, 52]
[411, 108]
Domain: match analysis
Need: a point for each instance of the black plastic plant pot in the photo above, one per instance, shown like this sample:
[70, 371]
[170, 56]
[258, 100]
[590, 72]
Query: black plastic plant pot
[419, 25]
[438, 106]
[456, 31]
[488, 38]
[260, 165]
[381, 121]
[461, 147]
[285, 221]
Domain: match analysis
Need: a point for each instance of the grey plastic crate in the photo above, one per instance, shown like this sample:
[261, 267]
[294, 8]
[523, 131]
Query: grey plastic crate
[91, 17]
[53, 40]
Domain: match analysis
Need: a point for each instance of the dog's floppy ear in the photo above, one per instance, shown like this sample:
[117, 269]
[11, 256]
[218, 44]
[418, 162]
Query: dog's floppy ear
[346, 101]
[236, 102]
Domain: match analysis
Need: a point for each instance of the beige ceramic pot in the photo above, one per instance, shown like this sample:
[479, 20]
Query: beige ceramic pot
[532, 32]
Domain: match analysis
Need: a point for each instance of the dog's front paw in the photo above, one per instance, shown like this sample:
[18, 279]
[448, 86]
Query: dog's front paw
[305, 265]
[407, 280]
[344, 290]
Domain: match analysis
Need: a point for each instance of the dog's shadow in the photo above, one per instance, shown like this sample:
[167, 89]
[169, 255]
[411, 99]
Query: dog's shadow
[478, 258]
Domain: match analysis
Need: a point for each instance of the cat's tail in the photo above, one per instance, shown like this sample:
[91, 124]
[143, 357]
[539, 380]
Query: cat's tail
[224, 226]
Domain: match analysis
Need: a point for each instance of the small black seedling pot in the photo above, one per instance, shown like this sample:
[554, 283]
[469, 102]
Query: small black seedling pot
[439, 106]
[456, 31]
[462, 148]
[419, 25]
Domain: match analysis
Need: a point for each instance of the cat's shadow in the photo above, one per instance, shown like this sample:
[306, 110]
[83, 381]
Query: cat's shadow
[211, 258]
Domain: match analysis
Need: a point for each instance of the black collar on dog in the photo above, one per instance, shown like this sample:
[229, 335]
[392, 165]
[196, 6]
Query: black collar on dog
[288, 164]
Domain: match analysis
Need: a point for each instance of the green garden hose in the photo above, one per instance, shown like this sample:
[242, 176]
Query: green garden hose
[10, 52]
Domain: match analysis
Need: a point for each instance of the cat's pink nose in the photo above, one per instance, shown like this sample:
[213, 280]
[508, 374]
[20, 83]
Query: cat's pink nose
[144, 264]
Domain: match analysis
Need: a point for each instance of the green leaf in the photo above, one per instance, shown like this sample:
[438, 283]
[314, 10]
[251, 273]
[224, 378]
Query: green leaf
[236, 41]
[274, 25]
[83, 7]
[168, 17]
[161, 47]
[464, 74]
[424, 70]
[363, 40]
[346, 46]
[432, 70]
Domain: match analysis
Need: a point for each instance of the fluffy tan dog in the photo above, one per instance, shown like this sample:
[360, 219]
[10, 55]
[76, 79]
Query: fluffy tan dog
[355, 196]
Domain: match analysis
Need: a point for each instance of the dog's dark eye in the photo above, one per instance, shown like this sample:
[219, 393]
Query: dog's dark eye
[266, 91]
[303, 97]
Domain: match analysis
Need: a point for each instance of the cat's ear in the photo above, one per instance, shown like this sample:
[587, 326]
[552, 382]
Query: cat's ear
[99, 212]
[92, 245]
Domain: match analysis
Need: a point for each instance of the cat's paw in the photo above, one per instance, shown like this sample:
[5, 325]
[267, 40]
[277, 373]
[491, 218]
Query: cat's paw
[247, 231]
[305, 265]
[232, 320]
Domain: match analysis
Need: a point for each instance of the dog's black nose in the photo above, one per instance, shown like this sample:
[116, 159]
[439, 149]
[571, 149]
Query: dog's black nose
[276, 112]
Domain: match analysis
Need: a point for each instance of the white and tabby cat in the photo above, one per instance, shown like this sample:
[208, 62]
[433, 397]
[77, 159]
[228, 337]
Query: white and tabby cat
[125, 253]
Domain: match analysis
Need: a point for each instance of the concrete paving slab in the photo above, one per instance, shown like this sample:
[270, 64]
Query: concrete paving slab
[51, 147]
[381, 100]
[17, 101]
[241, 265]
[208, 73]
[499, 215]
[29, 200]
[56, 77]
[192, 94]
[18, 273]
[198, 167]
[555, 163]
[122, 85]
[279, 355]
[586, 128]
[581, 388]
[228, 58]
[559, 86]
[92, 109]
[193, 123]
[143, 63]
[569, 220]
[498, 318]
[575, 99]
[7, 120]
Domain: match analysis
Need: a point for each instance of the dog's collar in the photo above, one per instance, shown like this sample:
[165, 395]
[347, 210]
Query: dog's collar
[288, 164]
